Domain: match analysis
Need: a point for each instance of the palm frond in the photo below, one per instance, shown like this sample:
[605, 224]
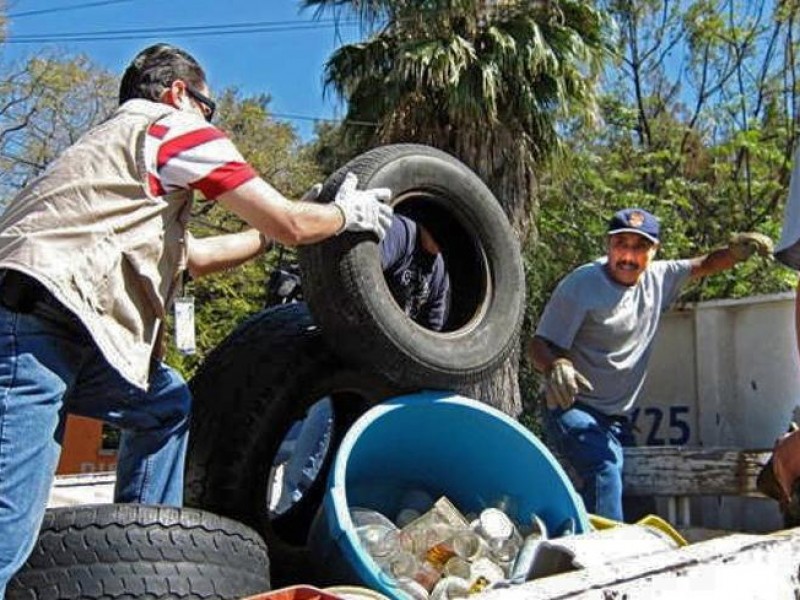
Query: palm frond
[486, 81]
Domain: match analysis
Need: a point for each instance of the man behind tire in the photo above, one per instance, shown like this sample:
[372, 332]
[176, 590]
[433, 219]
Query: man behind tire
[91, 254]
[415, 272]
[594, 340]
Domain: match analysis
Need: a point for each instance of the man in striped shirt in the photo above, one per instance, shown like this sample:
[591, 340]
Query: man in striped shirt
[91, 258]
[184, 151]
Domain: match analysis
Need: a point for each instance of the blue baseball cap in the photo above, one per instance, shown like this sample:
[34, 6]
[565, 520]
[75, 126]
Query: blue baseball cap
[635, 220]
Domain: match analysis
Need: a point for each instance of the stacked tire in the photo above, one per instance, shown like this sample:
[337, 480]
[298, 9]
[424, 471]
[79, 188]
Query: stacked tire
[248, 393]
[126, 551]
[351, 343]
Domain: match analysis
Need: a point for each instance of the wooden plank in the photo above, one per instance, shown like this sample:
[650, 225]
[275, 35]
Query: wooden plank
[685, 471]
[732, 567]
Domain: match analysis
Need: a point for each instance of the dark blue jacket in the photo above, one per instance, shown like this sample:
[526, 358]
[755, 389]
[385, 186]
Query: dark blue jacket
[417, 279]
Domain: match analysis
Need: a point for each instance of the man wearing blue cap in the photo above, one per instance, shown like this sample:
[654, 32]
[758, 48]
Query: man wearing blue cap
[594, 340]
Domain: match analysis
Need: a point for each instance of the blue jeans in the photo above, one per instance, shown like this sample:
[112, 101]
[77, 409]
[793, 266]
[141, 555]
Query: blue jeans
[49, 367]
[592, 442]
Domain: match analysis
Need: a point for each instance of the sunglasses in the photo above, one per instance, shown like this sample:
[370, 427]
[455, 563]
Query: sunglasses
[208, 106]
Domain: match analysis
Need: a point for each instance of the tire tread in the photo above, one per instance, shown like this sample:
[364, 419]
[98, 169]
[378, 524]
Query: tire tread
[115, 551]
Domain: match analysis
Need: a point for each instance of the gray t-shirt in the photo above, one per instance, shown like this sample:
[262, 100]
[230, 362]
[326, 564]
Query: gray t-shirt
[607, 329]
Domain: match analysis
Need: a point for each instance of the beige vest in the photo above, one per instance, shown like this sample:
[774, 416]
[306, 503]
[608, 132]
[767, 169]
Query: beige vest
[90, 231]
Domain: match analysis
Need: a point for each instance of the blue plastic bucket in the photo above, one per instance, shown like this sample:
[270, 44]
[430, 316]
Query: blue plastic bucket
[443, 443]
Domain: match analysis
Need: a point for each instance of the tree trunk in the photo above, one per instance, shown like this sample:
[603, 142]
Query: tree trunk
[501, 389]
[513, 183]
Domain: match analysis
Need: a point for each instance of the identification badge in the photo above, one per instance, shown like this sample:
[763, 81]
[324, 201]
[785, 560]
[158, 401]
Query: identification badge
[184, 325]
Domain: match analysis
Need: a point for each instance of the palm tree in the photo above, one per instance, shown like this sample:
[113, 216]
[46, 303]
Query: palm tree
[486, 81]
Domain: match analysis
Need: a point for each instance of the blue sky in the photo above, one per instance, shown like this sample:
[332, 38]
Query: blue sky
[286, 64]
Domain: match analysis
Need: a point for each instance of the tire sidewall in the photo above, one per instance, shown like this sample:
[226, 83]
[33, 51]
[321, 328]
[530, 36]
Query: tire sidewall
[369, 328]
[248, 393]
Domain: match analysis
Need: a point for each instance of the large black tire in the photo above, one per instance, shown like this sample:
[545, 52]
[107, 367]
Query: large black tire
[247, 394]
[127, 551]
[345, 288]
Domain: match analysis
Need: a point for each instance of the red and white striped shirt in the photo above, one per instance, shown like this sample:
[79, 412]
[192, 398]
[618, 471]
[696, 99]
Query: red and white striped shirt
[183, 151]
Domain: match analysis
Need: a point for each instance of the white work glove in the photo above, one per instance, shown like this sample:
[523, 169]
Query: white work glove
[363, 210]
[562, 384]
[744, 245]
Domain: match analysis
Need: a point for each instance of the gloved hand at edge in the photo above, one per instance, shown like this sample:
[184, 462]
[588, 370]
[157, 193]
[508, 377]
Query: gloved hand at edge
[563, 381]
[744, 245]
[363, 210]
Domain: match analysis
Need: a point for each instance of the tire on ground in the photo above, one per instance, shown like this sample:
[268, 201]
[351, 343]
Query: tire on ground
[344, 285]
[247, 394]
[136, 551]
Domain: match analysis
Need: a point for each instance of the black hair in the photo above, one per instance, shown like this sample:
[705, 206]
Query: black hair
[155, 68]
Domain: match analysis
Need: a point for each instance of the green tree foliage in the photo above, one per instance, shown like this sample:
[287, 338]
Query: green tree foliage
[46, 103]
[332, 147]
[698, 126]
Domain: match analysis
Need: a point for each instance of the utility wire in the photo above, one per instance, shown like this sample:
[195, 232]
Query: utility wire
[184, 28]
[105, 38]
[295, 117]
[186, 31]
[177, 31]
[44, 11]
